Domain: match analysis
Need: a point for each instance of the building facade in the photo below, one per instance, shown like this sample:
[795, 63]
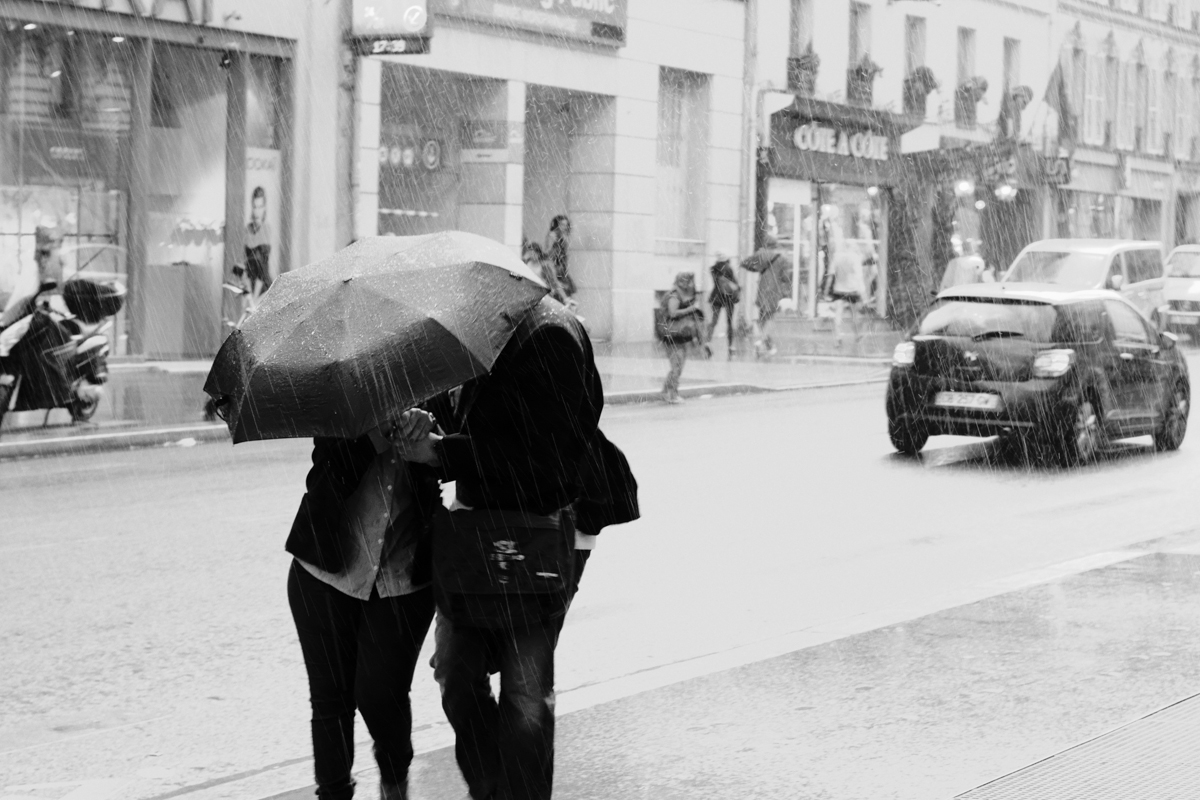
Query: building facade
[159, 138]
[1132, 69]
[623, 115]
[959, 87]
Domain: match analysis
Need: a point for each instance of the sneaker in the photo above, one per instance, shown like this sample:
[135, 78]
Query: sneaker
[672, 399]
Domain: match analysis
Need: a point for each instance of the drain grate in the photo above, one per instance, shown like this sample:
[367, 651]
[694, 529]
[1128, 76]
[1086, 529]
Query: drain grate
[1156, 758]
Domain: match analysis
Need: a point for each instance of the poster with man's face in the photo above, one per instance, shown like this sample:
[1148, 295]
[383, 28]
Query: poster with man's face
[262, 201]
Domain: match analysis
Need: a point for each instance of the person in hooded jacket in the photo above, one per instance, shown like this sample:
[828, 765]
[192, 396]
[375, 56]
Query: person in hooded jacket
[514, 442]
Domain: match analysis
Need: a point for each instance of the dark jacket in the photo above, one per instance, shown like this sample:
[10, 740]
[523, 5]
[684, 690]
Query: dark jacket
[716, 297]
[320, 530]
[522, 430]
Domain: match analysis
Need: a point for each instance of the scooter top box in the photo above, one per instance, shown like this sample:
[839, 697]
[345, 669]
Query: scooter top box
[92, 301]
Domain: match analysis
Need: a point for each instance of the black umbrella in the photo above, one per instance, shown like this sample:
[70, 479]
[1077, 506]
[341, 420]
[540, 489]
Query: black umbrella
[339, 347]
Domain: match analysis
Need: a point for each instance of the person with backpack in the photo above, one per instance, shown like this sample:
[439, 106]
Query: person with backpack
[681, 323]
[726, 293]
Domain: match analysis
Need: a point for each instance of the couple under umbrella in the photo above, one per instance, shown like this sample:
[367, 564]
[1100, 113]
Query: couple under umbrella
[413, 361]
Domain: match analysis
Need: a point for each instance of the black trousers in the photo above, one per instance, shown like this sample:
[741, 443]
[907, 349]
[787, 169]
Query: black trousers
[358, 654]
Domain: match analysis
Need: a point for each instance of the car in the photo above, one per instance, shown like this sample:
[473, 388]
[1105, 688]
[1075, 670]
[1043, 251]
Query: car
[1182, 290]
[1060, 371]
[1133, 268]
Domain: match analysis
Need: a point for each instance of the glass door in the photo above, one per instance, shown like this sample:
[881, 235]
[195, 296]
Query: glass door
[791, 220]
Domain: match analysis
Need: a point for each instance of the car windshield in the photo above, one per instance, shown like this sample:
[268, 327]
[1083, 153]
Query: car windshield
[981, 319]
[1081, 270]
[1184, 265]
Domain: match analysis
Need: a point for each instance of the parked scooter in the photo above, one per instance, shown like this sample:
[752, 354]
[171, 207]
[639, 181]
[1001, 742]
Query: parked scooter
[55, 357]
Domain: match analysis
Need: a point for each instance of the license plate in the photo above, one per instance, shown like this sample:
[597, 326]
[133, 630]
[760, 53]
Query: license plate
[982, 401]
[1180, 319]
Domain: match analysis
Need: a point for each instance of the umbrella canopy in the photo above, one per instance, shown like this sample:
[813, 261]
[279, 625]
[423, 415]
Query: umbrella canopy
[339, 347]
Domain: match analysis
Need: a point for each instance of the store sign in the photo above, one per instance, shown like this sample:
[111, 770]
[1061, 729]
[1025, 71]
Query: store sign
[197, 12]
[389, 27]
[492, 141]
[1058, 171]
[835, 141]
[599, 21]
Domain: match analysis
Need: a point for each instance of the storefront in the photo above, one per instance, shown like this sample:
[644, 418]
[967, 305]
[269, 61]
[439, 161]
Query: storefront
[522, 112]
[157, 151]
[825, 185]
[1113, 196]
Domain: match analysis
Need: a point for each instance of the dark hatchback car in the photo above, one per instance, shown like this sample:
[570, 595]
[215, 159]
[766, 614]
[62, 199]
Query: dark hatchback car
[1065, 370]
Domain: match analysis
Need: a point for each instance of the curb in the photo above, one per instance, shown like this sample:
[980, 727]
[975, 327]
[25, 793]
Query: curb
[189, 435]
[184, 435]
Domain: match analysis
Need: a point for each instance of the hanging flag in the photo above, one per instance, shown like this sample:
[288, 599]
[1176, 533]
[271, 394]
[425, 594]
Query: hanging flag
[1058, 97]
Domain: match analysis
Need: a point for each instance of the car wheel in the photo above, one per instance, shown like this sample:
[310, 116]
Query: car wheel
[1174, 425]
[907, 438]
[1083, 436]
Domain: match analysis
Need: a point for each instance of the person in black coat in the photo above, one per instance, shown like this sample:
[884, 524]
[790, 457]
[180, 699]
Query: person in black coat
[517, 445]
[360, 595]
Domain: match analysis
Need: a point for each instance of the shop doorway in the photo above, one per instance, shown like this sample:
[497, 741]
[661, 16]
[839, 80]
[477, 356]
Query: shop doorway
[852, 219]
[791, 221]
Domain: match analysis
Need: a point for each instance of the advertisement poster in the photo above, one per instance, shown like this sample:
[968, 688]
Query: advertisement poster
[262, 201]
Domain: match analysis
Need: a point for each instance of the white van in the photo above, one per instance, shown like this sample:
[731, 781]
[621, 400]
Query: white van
[1133, 268]
[1182, 290]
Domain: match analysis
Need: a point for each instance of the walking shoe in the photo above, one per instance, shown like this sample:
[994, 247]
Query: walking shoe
[672, 399]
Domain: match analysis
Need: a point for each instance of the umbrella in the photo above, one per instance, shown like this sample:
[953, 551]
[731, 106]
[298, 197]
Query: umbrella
[338, 347]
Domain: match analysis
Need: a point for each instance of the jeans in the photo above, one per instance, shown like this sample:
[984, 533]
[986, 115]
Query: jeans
[358, 654]
[676, 355]
[716, 316]
[504, 749]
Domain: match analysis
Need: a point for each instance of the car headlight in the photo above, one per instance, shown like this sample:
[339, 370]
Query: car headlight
[1053, 363]
[904, 355]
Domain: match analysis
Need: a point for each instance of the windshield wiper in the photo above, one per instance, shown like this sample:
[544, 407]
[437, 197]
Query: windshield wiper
[979, 337]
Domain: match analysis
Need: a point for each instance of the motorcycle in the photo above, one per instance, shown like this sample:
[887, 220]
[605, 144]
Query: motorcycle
[55, 357]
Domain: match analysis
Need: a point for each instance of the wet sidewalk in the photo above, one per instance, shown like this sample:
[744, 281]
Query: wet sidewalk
[152, 403]
[927, 708]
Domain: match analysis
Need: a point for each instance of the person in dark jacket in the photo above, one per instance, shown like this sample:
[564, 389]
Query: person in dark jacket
[557, 241]
[360, 594]
[724, 297]
[517, 438]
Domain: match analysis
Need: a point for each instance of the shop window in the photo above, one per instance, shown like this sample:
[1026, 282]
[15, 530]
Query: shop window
[1143, 265]
[1167, 113]
[65, 115]
[681, 155]
[861, 71]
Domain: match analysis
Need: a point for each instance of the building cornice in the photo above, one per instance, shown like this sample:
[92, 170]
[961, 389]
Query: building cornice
[1129, 22]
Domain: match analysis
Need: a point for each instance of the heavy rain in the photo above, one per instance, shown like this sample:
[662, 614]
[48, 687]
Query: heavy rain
[439, 399]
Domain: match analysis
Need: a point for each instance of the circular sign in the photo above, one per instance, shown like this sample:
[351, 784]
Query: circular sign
[415, 17]
[394, 156]
[431, 154]
[408, 156]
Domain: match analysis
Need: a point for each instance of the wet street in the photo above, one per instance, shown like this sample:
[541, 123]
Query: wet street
[801, 613]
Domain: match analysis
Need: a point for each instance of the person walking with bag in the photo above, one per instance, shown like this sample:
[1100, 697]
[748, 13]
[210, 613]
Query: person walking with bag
[726, 293]
[505, 560]
[359, 591]
[682, 323]
[774, 286]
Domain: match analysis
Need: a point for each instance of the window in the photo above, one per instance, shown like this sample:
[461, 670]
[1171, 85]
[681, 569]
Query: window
[1094, 112]
[1143, 265]
[1182, 138]
[680, 210]
[1012, 63]
[1153, 82]
[1112, 97]
[914, 44]
[1127, 121]
[860, 32]
[1127, 325]
[1167, 113]
[1079, 70]
[802, 27]
[966, 55]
